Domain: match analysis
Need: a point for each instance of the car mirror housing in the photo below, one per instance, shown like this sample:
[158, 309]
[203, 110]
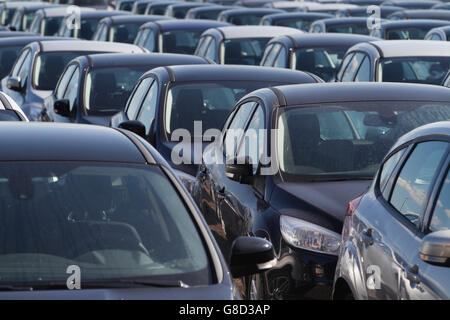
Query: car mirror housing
[14, 83]
[240, 170]
[62, 107]
[251, 255]
[435, 248]
[134, 126]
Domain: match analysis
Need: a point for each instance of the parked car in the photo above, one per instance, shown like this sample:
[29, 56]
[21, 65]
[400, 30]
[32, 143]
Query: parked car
[122, 28]
[96, 4]
[396, 236]
[140, 6]
[291, 184]
[367, 11]
[330, 8]
[158, 7]
[8, 9]
[297, 20]
[124, 5]
[291, 6]
[39, 65]
[179, 9]
[47, 22]
[320, 54]
[174, 36]
[416, 61]
[406, 29]
[93, 88]
[24, 15]
[9, 110]
[411, 4]
[88, 23]
[364, 2]
[238, 44]
[177, 96]
[353, 25]
[5, 33]
[106, 202]
[252, 3]
[246, 16]
[421, 14]
[208, 12]
[440, 33]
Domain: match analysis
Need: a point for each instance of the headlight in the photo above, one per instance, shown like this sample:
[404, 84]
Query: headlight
[309, 236]
[187, 180]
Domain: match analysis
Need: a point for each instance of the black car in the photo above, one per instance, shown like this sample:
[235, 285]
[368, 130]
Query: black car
[208, 12]
[411, 4]
[406, 29]
[122, 28]
[421, 14]
[37, 68]
[88, 22]
[297, 20]
[24, 15]
[246, 16]
[92, 88]
[158, 7]
[114, 221]
[384, 11]
[440, 34]
[169, 101]
[174, 36]
[179, 9]
[320, 54]
[353, 25]
[291, 184]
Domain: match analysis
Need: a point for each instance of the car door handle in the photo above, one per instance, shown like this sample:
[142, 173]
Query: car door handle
[412, 274]
[367, 237]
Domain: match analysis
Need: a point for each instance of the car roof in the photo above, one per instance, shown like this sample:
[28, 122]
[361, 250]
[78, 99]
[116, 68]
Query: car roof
[59, 11]
[324, 39]
[4, 42]
[189, 4]
[237, 32]
[102, 14]
[437, 13]
[343, 20]
[307, 94]
[412, 48]
[386, 24]
[87, 45]
[15, 34]
[36, 6]
[185, 24]
[66, 142]
[14, 4]
[293, 15]
[441, 128]
[243, 11]
[134, 18]
[215, 72]
[135, 59]
[445, 29]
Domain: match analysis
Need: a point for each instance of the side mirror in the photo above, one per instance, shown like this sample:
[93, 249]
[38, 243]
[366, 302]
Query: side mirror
[250, 255]
[14, 83]
[240, 170]
[134, 126]
[62, 107]
[435, 248]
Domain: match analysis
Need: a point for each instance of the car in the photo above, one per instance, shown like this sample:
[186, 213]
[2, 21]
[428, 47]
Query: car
[179, 96]
[396, 235]
[87, 24]
[415, 61]
[362, 3]
[174, 36]
[288, 162]
[47, 21]
[353, 25]
[415, 29]
[37, 69]
[9, 110]
[252, 3]
[320, 54]
[106, 202]
[421, 14]
[158, 7]
[208, 12]
[446, 82]
[8, 9]
[411, 4]
[23, 16]
[140, 6]
[441, 6]
[179, 9]
[246, 16]
[122, 28]
[6, 33]
[92, 88]
[238, 44]
[330, 8]
[367, 11]
[291, 6]
[297, 20]
[440, 33]
[124, 5]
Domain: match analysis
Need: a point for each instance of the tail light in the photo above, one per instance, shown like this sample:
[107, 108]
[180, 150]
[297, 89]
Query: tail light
[353, 205]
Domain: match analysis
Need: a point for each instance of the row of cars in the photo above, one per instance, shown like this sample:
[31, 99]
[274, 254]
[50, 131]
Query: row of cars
[212, 172]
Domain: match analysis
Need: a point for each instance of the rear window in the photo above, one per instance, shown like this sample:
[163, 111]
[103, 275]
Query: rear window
[244, 51]
[125, 33]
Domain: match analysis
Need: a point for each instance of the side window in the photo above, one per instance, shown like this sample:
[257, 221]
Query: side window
[203, 46]
[211, 51]
[252, 145]
[440, 220]
[235, 131]
[72, 88]
[349, 73]
[62, 85]
[447, 81]
[387, 169]
[19, 62]
[363, 74]
[150, 42]
[413, 184]
[344, 65]
[98, 32]
[281, 60]
[25, 68]
[148, 110]
[136, 98]
[270, 57]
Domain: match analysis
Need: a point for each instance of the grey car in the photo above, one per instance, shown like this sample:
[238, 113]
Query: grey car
[396, 237]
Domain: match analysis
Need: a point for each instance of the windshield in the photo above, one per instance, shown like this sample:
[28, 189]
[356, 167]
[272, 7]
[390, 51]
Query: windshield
[48, 67]
[126, 5]
[107, 90]
[180, 12]
[158, 10]
[339, 141]
[356, 28]
[295, 23]
[244, 51]
[210, 14]
[8, 115]
[246, 19]
[429, 70]
[321, 61]
[8, 56]
[181, 41]
[125, 33]
[7, 15]
[112, 221]
[88, 27]
[51, 25]
[412, 33]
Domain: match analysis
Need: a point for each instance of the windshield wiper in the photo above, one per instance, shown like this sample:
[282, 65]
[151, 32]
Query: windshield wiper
[133, 282]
